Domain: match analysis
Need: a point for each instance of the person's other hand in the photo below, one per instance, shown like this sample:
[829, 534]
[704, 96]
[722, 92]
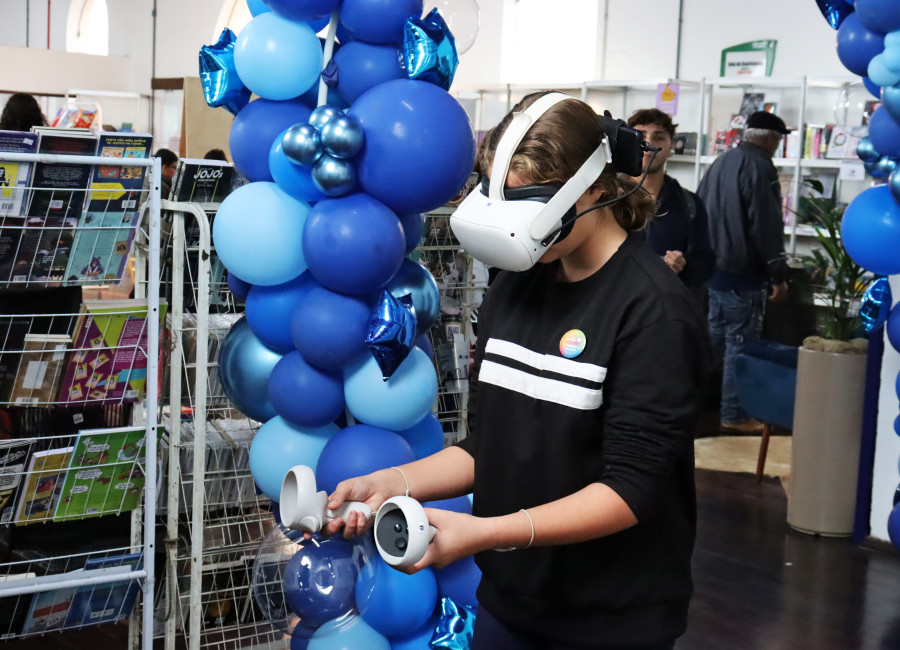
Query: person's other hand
[458, 535]
[372, 489]
[779, 292]
[675, 260]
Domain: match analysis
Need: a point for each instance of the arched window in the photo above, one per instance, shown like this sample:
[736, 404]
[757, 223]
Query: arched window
[88, 27]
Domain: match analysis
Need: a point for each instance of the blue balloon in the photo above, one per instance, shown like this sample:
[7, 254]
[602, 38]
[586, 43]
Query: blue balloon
[424, 343]
[378, 21]
[258, 232]
[393, 602]
[426, 437]
[879, 72]
[320, 581]
[329, 329]
[415, 280]
[866, 151]
[294, 179]
[239, 289]
[278, 58]
[413, 228]
[897, 347]
[353, 634]
[890, 95]
[879, 15]
[893, 334]
[302, 143]
[857, 45]
[461, 504]
[362, 66]
[278, 446]
[269, 311]
[874, 89]
[890, 58]
[894, 526]
[244, 368]
[321, 115]
[303, 10]
[419, 145]
[459, 580]
[303, 395]
[396, 404]
[255, 129]
[333, 176]
[886, 166]
[417, 640]
[894, 185]
[257, 7]
[342, 137]
[884, 132]
[359, 450]
[353, 244]
[870, 231]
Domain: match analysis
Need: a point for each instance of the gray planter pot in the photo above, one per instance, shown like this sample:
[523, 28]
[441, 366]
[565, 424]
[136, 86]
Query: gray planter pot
[828, 412]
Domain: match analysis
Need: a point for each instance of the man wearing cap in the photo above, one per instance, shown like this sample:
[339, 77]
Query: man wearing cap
[743, 199]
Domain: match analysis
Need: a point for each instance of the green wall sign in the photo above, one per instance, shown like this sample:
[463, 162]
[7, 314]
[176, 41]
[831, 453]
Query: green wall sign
[753, 59]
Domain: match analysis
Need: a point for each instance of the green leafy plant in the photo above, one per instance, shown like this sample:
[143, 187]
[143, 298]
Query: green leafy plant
[833, 276]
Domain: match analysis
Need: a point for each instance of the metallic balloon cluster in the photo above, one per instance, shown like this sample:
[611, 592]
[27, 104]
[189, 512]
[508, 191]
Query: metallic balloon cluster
[326, 143]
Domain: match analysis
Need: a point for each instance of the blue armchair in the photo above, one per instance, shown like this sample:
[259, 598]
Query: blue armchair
[766, 374]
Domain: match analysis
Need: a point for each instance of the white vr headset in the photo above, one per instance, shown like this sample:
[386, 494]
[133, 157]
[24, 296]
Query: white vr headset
[511, 228]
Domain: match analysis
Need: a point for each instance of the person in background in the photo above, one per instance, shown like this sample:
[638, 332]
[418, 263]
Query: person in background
[743, 197]
[587, 383]
[680, 232]
[21, 113]
[215, 154]
[169, 162]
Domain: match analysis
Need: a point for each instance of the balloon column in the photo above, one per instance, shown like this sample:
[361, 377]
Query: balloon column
[317, 243]
[868, 43]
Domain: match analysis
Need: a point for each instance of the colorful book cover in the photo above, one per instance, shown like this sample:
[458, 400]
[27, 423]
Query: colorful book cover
[108, 363]
[14, 456]
[59, 189]
[40, 369]
[105, 474]
[106, 603]
[49, 609]
[15, 176]
[43, 484]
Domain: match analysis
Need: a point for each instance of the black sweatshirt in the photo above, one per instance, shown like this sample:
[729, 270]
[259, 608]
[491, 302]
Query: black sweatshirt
[620, 413]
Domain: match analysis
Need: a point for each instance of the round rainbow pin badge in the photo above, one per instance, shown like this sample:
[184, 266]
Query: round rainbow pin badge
[572, 344]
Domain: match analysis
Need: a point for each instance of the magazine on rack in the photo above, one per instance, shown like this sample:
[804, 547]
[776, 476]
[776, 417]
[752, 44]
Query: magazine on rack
[202, 181]
[43, 483]
[15, 176]
[14, 457]
[40, 369]
[106, 603]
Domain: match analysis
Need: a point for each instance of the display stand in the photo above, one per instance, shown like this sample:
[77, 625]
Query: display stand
[45, 588]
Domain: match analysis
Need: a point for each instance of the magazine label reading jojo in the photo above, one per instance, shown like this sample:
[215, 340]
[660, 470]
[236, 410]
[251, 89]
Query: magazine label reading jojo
[208, 173]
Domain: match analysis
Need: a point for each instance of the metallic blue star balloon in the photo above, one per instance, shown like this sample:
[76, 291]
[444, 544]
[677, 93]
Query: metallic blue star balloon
[392, 331]
[221, 84]
[455, 628]
[835, 11]
[875, 304]
[429, 50]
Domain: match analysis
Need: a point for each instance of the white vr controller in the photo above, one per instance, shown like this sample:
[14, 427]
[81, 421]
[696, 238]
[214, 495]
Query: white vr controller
[402, 531]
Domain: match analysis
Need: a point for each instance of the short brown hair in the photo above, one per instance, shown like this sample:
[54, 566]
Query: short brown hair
[556, 146]
[653, 116]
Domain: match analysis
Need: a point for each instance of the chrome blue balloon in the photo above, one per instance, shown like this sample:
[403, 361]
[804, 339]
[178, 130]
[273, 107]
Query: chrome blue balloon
[244, 368]
[429, 50]
[834, 11]
[456, 626]
[221, 84]
[894, 185]
[322, 114]
[866, 151]
[333, 176]
[392, 331]
[886, 166]
[342, 137]
[890, 96]
[302, 144]
[417, 282]
[875, 304]
[872, 169]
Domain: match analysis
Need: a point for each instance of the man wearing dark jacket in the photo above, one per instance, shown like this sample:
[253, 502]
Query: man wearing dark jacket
[743, 199]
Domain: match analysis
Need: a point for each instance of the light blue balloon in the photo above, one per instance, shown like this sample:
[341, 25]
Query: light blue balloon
[891, 57]
[257, 7]
[278, 446]
[348, 634]
[258, 232]
[277, 58]
[880, 74]
[396, 404]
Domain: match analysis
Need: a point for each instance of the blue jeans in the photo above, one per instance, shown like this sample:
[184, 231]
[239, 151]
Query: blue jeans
[734, 317]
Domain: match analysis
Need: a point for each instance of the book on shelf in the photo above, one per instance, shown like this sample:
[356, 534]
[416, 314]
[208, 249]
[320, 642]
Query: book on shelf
[15, 176]
[48, 609]
[106, 603]
[108, 363]
[105, 474]
[59, 188]
[40, 369]
[202, 181]
[106, 230]
[842, 143]
[685, 143]
[42, 486]
[73, 117]
[15, 454]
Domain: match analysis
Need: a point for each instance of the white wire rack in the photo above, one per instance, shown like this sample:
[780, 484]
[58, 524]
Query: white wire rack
[52, 576]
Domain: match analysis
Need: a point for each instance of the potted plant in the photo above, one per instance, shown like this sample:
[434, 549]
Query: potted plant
[831, 369]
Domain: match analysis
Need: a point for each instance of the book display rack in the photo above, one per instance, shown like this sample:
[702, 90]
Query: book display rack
[78, 384]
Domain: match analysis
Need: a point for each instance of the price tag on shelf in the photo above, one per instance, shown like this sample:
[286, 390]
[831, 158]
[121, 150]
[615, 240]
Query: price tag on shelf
[852, 170]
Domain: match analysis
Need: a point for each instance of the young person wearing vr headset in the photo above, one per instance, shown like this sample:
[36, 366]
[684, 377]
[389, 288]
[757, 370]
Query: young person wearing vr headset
[586, 387]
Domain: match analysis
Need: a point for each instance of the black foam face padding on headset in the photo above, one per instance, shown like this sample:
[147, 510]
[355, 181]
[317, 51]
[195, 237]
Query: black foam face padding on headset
[626, 143]
[542, 193]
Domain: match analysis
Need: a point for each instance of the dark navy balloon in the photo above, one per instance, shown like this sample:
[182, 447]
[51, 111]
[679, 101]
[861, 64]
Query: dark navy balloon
[269, 311]
[329, 329]
[320, 581]
[238, 287]
[857, 45]
[255, 129]
[361, 66]
[303, 395]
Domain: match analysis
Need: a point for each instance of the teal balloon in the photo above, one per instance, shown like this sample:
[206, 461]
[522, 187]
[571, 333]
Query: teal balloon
[277, 58]
[870, 231]
[278, 446]
[244, 368]
[395, 404]
[393, 602]
[348, 634]
[258, 234]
